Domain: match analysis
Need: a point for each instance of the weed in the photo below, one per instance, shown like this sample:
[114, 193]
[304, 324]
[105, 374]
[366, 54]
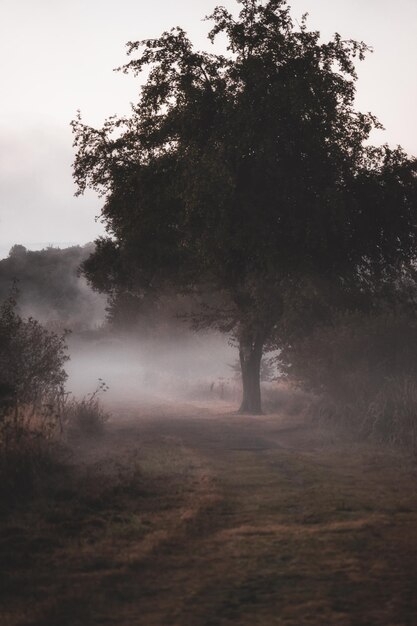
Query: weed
[85, 417]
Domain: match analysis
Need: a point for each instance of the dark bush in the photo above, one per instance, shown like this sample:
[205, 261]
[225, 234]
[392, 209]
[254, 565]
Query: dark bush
[363, 368]
[32, 378]
[31, 358]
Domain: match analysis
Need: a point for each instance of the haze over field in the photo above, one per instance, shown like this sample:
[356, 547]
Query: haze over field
[137, 369]
[156, 355]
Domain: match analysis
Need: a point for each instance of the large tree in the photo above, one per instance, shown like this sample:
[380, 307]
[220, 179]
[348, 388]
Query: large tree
[237, 175]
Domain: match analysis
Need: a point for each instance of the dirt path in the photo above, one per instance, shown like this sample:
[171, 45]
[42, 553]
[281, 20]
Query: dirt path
[201, 518]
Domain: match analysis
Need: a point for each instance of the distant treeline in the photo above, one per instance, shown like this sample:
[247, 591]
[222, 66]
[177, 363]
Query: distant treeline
[52, 289]
[50, 286]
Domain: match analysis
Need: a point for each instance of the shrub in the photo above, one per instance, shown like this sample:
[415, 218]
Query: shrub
[32, 380]
[363, 368]
[31, 359]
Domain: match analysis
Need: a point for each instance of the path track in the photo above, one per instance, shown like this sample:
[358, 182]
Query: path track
[236, 520]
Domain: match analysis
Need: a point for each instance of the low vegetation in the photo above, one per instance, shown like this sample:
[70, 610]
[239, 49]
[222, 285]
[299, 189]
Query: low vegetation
[362, 369]
[85, 417]
[37, 415]
[222, 519]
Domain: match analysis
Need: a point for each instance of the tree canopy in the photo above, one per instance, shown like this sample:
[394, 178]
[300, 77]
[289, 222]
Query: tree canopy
[238, 174]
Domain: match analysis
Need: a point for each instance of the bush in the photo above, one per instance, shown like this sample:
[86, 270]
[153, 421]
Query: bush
[32, 380]
[31, 359]
[363, 368]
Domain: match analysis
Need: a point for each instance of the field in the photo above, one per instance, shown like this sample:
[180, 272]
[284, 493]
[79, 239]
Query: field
[189, 516]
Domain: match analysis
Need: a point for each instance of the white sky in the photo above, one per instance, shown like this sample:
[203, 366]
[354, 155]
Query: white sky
[57, 56]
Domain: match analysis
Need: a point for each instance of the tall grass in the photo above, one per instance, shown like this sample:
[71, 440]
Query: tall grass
[84, 417]
[34, 439]
[30, 449]
[392, 415]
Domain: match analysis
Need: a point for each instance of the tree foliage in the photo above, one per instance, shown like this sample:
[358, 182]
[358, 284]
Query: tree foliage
[241, 173]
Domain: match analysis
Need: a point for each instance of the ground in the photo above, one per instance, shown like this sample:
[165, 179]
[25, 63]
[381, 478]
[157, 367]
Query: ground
[189, 516]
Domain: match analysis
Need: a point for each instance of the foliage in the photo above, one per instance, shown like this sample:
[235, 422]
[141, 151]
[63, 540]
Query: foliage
[31, 358]
[362, 367]
[238, 175]
[35, 411]
[150, 314]
[357, 350]
[32, 376]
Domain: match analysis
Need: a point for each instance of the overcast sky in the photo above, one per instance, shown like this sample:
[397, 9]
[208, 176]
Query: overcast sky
[57, 56]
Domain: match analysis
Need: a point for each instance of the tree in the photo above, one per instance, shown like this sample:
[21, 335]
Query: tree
[238, 174]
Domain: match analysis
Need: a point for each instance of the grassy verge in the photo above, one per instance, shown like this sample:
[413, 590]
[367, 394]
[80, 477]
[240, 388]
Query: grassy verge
[204, 520]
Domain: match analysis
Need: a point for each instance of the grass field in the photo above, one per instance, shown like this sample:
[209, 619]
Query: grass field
[187, 516]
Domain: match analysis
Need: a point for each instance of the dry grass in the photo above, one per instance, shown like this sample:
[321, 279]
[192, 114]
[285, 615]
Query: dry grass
[30, 451]
[197, 519]
[32, 441]
[85, 417]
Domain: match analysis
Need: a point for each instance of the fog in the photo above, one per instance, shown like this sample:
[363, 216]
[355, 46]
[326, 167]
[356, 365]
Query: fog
[157, 357]
[192, 366]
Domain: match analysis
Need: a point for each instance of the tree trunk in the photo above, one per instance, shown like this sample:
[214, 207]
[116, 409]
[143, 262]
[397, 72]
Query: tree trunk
[250, 354]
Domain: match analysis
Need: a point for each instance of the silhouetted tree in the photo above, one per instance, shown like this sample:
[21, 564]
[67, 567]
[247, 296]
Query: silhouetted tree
[237, 174]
